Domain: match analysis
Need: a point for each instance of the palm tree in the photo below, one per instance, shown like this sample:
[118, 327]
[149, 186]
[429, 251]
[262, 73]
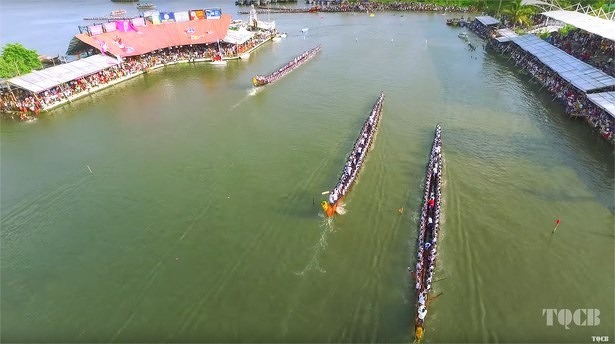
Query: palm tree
[518, 13]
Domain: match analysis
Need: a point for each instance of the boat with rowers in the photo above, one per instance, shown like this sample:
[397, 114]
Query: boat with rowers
[429, 226]
[355, 160]
[261, 80]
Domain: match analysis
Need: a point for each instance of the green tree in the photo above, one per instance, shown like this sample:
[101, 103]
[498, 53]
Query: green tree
[518, 13]
[16, 60]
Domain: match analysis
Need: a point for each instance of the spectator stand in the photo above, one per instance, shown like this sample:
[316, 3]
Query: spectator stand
[484, 26]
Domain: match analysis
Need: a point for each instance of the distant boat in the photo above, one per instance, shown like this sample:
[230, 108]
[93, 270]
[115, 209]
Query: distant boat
[124, 0]
[305, 29]
[463, 35]
[261, 80]
[145, 6]
[118, 13]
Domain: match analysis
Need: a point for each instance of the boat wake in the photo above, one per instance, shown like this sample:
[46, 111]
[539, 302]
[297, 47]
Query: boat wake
[250, 93]
[314, 264]
[254, 91]
[341, 209]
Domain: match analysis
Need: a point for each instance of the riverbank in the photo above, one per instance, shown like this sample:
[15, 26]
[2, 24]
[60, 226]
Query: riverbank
[126, 70]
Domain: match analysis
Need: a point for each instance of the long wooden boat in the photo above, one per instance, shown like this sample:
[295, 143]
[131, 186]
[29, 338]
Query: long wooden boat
[307, 55]
[429, 226]
[355, 160]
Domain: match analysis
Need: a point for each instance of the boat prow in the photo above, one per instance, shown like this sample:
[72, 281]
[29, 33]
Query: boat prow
[328, 209]
[259, 81]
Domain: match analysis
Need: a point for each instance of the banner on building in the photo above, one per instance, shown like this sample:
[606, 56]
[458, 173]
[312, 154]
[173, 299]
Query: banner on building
[181, 16]
[109, 27]
[124, 26]
[166, 17]
[213, 13]
[95, 29]
[197, 14]
[137, 22]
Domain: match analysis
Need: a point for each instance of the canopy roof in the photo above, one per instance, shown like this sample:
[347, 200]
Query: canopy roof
[487, 20]
[144, 39]
[238, 36]
[595, 25]
[578, 73]
[45, 79]
[505, 35]
[604, 100]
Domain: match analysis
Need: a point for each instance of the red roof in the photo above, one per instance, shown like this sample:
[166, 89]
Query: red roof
[153, 37]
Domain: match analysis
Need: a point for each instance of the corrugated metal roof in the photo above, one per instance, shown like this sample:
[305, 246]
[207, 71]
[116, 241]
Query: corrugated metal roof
[578, 73]
[604, 100]
[595, 25]
[487, 20]
[45, 79]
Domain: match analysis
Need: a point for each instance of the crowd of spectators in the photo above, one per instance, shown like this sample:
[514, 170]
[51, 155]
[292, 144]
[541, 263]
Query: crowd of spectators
[482, 30]
[575, 101]
[592, 49]
[15, 101]
[371, 6]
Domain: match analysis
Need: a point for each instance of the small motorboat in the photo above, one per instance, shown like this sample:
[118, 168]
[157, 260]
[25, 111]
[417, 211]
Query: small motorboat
[145, 6]
[118, 13]
[463, 35]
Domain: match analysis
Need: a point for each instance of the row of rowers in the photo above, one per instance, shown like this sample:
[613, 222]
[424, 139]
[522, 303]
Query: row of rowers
[356, 157]
[428, 237]
[291, 65]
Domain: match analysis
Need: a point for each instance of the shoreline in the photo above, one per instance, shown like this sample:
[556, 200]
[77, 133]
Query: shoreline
[94, 89]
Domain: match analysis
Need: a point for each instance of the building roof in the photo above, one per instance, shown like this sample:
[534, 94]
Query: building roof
[45, 79]
[505, 35]
[487, 20]
[595, 25]
[578, 73]
[139, 40]
[604, 100]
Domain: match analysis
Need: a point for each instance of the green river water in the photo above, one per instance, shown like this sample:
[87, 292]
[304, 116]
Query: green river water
[201, 221]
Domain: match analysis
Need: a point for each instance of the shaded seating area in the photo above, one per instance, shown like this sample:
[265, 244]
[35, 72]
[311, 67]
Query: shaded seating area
[569, 79]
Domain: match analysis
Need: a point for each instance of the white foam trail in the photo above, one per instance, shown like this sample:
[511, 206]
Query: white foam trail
[319, 248]
[251, 92]
[341, 209]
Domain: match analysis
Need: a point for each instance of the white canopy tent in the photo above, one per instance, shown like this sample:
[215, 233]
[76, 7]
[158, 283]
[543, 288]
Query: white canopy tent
[45, 79]
[238, 36]
[578, 73]
[604, 100]
[602, 27]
